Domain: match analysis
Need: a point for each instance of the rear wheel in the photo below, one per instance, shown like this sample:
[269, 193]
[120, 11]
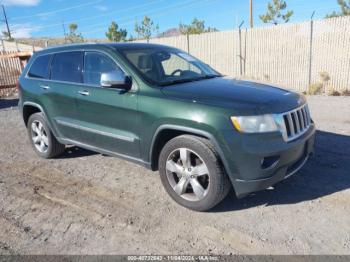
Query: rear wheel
[41, 138]
[192, 174]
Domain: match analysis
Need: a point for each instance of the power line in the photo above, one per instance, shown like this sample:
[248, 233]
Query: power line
[57, 10]
[128, 20]
[98, 16]
[154, 11]
[183, 5]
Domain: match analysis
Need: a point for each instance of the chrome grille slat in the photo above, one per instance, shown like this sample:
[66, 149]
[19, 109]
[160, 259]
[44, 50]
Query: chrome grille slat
[302, 119]
[296, 122]
[308, 114]
[305, 116]
[291, 125]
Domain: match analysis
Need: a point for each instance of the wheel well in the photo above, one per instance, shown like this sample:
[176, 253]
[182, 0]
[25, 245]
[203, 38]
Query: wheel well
[28, 110]
[163, 137]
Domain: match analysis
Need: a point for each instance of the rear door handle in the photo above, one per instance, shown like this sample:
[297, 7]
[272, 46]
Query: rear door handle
[45, 87]
[84, 93]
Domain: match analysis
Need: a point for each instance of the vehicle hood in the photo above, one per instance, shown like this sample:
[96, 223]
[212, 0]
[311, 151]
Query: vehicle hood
[244, 96]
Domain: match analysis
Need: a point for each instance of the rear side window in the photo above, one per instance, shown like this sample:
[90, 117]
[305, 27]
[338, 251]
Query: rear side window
[67, 66]
[40, 67]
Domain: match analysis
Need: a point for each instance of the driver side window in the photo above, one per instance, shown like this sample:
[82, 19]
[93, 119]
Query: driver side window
[94, 65]
[176, 63]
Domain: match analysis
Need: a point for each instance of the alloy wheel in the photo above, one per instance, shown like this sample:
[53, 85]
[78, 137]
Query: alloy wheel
[39, 136]
[188, 174]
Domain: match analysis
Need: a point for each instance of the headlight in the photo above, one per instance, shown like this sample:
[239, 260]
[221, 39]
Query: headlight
[255, 124]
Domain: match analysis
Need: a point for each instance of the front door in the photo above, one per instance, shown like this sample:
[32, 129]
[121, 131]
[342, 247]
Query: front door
[108, 116]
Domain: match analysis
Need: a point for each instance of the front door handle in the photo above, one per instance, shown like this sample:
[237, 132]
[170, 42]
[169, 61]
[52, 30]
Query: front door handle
[84, 93]
[45, 87]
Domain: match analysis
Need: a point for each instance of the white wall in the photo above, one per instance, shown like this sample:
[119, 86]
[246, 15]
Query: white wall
[277, 54]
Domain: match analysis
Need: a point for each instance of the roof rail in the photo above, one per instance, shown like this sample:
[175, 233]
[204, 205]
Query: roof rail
[71, 44]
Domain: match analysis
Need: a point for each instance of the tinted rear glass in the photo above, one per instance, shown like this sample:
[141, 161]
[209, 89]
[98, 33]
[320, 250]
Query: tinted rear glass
[40, 67]
[67, 66]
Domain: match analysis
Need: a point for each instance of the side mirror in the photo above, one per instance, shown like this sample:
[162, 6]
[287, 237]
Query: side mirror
[115, 79]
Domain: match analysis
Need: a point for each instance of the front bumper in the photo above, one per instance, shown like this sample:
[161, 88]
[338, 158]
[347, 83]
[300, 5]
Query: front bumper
[247, 152]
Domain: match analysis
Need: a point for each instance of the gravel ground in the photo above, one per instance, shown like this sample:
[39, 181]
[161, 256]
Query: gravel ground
[87, 203]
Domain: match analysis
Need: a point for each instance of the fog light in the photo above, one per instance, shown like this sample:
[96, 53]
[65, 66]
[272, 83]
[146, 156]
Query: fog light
[269, 162]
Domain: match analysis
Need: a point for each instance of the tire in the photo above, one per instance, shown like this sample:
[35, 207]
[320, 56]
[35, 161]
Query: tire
[41, 138]
[182, 185]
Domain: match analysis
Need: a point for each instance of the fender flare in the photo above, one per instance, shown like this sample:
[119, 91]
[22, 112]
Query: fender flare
[194, 131]
[28, 103]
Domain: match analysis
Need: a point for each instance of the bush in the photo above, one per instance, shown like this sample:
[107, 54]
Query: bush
[315, 89]
[345, 92]
[333, 92]
[324, 76]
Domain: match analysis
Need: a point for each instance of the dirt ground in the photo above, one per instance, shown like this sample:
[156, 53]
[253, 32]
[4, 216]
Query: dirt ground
[87, 203]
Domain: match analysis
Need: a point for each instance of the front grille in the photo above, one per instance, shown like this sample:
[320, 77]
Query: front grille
[296, 122]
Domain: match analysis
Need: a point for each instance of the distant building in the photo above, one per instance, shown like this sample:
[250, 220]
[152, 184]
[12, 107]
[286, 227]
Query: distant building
[17, 50]
[13, 57]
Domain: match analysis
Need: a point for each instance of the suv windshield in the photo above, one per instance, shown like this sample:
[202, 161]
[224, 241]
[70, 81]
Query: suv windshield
[165, 66]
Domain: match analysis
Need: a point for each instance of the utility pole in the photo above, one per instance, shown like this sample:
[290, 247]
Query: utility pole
[240, 48]
[251, 14]
[64, 32]
[7, 24]
[311, 42]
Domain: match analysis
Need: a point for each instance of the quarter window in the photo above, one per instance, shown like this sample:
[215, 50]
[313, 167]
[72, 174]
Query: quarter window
[67, 66]
[40, 67]
[94, 65]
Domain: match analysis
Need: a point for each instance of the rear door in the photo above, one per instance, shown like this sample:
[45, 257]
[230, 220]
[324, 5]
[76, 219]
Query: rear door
[65, 81]
[108, 116]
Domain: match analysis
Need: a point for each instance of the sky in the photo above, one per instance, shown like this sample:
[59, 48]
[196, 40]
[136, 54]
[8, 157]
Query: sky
[44, 18]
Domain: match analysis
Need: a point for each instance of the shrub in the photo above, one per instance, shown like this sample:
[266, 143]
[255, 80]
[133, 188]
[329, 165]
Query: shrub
[345, 92]
[333, 92]
[325, 76]
[315, 89]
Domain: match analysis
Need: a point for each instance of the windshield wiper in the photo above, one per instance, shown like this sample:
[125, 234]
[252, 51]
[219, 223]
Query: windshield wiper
[207, 77]
[186, 80]
[178, 81]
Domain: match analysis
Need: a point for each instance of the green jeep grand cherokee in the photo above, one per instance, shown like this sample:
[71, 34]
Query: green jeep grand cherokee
[161, 107]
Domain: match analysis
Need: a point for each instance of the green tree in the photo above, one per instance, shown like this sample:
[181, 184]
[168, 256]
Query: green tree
[276, 13]
[7, 36]
[73, 36]
[195, 27]
[115, 34]
[146, 29]
[344, 7]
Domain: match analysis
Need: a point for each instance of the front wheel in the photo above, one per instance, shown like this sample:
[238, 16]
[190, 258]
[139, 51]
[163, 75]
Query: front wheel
[192, 173]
